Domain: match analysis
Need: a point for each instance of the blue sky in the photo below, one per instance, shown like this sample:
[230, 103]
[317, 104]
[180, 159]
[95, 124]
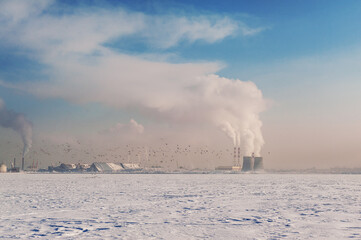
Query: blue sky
[58, 62]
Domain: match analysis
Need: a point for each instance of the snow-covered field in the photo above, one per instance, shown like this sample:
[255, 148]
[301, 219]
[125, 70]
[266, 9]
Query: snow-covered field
[180, 206]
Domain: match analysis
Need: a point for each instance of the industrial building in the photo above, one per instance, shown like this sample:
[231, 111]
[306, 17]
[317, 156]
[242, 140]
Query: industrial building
[113, 167]
[224, 168]
[105, 167]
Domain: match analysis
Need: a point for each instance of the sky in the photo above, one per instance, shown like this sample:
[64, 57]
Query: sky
[115, 80]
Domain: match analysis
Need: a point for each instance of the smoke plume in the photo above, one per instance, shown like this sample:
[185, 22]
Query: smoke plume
[17, 122]
[234, 106]
[84, 68]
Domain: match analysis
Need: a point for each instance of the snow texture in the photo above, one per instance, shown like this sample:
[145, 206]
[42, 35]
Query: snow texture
[179, 206]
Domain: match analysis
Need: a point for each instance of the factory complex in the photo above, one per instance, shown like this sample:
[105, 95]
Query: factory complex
[249, 164]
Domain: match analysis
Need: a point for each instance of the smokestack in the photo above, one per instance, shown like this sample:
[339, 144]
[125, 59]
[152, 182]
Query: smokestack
[14, 162]
[239, 155]
[235, 156]
[22, 164]
[258, 163]
[247, 164]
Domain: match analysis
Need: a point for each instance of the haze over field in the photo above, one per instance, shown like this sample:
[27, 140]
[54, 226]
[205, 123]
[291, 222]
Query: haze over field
[181, 83]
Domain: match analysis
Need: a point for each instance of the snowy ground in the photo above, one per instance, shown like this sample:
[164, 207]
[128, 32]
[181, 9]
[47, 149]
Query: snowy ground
[176, 206]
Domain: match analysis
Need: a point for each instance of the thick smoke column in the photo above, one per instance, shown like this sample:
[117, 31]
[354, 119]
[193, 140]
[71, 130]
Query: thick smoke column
[236, 106]
[17, 122]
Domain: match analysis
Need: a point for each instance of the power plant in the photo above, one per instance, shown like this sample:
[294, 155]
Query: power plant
[252, 163]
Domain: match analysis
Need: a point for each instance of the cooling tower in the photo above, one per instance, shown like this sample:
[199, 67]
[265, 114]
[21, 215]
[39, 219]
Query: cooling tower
[247, 164]
[258, 163]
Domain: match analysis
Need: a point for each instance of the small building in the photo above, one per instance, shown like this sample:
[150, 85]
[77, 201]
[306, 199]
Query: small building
[236, 168]
[224, 168]
[14, 169]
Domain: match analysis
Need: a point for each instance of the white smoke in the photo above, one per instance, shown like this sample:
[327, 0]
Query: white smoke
[229, 130]
[83, 69]
[181, 94]
[17, 122]
[234, 106]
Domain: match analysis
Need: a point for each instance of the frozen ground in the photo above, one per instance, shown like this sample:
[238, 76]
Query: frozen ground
[216, 206]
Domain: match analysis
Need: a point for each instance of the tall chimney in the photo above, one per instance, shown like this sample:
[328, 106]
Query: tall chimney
[235, 156]
[22, 164]
[239, 155]
[14, 162]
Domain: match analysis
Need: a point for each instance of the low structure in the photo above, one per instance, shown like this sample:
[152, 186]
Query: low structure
[224, 168]
[64, 167]
[236, 168]
[105, 167]
[131, 166]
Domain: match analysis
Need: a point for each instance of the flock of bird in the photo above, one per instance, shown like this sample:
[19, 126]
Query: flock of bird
[163, 154]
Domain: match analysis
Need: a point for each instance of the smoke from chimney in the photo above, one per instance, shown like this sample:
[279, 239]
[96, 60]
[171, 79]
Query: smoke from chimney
[17, 122]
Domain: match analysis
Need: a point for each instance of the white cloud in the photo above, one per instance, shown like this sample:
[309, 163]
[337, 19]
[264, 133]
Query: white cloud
[26, 23]
[168, 31]
[15, 11]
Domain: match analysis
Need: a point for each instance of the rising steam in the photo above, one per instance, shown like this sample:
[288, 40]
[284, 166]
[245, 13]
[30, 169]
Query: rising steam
[17, 122]
[234, 106]
[83, 68]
